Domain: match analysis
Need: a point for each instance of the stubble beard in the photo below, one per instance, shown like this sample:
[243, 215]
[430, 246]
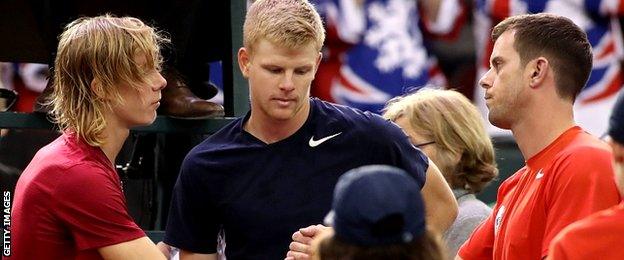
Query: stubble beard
[500, 119]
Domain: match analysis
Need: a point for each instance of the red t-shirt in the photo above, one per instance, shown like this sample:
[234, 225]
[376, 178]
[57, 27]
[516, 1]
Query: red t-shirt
[595, 237]
[568, 180]
[68, 203]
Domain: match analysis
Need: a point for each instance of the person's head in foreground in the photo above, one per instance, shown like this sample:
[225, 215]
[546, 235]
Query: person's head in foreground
[106, 74]
[377, 213]
[449, 130]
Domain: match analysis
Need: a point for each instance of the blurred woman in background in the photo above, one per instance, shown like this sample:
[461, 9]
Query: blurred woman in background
[450, 131]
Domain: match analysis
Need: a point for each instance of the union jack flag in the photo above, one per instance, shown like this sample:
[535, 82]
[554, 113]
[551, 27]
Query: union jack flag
[598, 18]
[375, 50]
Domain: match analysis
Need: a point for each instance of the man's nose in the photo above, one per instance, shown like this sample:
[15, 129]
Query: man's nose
[287, 83]
[486, 81]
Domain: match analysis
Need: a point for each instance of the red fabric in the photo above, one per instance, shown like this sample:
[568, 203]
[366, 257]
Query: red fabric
[568, 180]
[595, 237]
[26, 99]
[68, 203]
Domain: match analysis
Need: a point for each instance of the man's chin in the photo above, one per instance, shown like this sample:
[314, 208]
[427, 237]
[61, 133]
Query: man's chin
[499, 122]
[280, 117]
[146, 121]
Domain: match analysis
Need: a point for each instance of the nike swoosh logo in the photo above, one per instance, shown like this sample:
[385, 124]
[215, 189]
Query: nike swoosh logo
[539, 174]
[315, 143]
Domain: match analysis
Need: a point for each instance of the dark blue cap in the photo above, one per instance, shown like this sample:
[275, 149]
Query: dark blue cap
[377, 205]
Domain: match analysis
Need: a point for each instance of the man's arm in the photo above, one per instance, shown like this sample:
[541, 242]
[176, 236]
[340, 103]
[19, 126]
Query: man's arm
[440, 204]
[431, 9]
[442, 17]
[186, 255]
[192, 223]
[140, 248]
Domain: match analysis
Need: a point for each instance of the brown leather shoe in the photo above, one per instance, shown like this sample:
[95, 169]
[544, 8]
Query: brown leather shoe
[204, 90]
[179, 102]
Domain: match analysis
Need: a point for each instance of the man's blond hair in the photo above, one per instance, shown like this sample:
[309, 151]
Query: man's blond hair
[286, 23]
[454, 124]
[104, 49]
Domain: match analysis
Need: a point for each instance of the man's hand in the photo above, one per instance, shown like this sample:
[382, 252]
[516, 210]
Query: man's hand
[300, 248]
[440, 204]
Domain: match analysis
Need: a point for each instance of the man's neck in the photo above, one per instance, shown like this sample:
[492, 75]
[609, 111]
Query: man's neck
[270, 130]
[541, 128]
[114, 138]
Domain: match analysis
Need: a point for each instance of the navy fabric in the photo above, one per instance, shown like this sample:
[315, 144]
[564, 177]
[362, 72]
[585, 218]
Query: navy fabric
[616, 122]
[259, 193]
[377, 205]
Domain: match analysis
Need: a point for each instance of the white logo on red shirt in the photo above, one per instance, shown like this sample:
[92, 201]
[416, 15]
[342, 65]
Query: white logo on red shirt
[539, 174]
[499, 219]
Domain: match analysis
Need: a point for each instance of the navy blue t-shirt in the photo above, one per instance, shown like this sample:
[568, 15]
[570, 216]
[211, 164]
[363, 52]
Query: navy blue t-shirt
[260, 194]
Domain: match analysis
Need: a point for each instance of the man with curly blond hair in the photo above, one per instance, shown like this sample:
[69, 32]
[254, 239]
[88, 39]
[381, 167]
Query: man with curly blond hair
[69, 202]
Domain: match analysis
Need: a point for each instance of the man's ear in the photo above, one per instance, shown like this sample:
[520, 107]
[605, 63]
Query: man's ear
[318, 59]
[243, 61]
[98, 89]
[538, 70]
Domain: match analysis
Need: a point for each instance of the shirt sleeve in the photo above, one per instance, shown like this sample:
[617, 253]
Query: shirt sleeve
[400, 152]
[90, 202]
[480, 245]
[585, 177]
[558, 250]
[192, 223]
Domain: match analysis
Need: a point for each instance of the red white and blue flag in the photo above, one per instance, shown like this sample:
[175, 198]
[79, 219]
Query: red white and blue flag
[598, 18]
[375, 50]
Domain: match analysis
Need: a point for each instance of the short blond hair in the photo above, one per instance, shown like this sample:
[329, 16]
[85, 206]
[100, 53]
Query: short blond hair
[102, 48]
[286, 23]
[449, 119]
